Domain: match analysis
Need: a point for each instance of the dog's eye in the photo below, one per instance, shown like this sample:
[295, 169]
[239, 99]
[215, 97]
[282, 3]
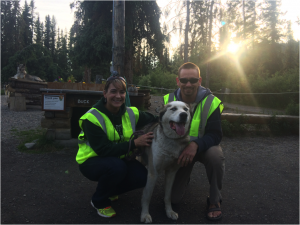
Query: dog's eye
[185, 109]
[173, 109]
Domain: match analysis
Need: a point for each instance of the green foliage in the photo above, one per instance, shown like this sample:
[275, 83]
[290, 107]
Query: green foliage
[71, 78]
[292, 109]
[158, 77]
[35, 135]
[236, 128]
[37, 60]
[285, 81]
[282, 127]
[274, 127]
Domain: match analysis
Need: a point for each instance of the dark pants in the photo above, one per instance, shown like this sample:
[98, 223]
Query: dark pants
[114, 176]
[214, 162]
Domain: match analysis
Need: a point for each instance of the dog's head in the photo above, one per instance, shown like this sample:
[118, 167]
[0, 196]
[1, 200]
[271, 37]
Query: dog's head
[175, 119]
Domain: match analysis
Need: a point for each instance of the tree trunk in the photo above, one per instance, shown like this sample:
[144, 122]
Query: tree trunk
[253, 30]
[209, 44]
[119, 37]
[87, 75]
[244, 18]
[186, 41]
[128, 66]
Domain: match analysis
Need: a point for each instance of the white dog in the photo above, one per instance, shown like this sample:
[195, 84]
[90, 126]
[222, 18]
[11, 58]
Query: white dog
[170, 138]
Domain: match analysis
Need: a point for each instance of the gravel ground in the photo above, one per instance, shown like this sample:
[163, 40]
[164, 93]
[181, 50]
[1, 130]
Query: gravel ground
[261, 183]
[26, 120]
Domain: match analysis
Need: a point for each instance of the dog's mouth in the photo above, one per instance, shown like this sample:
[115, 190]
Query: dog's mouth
[177, 127]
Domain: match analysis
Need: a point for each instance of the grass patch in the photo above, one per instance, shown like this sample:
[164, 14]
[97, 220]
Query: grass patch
[2, 92]
[292, 109]
[38, 136]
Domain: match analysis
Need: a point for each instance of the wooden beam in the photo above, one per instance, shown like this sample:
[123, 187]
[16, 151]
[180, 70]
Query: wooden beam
[19, 90]
[84, 92]
[258, 118]
[56, 123]
[17, 103]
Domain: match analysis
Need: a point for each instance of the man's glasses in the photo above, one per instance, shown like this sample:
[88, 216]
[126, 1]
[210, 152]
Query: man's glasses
[185, 80]
[114, 78]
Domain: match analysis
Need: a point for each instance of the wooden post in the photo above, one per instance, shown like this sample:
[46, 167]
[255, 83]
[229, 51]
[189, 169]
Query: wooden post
[17, 103]
[119, 37]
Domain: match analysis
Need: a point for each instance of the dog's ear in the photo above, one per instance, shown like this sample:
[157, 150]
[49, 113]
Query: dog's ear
[162, 113]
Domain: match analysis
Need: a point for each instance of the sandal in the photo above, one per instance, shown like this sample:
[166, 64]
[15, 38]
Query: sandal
[217, 208]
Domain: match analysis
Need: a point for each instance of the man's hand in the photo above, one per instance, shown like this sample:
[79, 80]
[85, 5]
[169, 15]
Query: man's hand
[144, 140]
[188, 154]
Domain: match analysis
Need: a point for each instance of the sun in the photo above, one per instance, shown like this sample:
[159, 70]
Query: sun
[233, 48]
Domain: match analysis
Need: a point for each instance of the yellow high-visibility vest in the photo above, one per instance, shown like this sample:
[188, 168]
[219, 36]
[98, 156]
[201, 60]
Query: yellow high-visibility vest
[129, 121]
[203, 111]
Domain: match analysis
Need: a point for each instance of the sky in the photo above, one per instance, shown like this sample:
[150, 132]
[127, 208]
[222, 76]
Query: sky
[65, 16]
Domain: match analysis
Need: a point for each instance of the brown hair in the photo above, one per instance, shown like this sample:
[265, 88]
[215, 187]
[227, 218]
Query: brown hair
[189, 65]
[116, 83]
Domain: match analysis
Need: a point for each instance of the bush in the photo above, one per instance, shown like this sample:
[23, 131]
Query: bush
[236, 128]
[292, 109]
[160, 79]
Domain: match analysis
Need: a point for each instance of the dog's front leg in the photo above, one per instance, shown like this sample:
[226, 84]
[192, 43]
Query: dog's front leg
[169, 180]
[147, 193]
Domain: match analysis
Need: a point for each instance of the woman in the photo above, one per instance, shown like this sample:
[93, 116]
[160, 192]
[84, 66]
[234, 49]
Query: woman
[104, 141]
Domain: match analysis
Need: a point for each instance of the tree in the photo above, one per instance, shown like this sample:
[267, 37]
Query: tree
[186, 32]
[52, 37]
[91, 37]
[47, 32]
[32, 8]
[209, 42]
[62, 55]
[271, 18]
[272, 33]
[38, 62]
[27, 27]
[38, 31]
[292, 49]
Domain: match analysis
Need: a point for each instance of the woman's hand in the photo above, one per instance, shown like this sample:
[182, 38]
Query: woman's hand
[144, 140]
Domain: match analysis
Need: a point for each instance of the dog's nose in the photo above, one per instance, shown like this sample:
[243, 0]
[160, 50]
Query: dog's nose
[183, 116]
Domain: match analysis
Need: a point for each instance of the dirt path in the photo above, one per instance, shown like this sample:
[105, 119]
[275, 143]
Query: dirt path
[261, 185]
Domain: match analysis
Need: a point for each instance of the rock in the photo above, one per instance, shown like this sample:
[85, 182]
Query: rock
[29, 145]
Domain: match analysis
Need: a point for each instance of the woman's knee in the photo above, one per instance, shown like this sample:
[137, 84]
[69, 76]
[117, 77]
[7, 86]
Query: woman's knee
[117, 167]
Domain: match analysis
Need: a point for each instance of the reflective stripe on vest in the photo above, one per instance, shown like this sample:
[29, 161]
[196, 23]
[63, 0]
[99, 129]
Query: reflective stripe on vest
[171, 97]
[204, 114]
[85, 150]
[101, 121]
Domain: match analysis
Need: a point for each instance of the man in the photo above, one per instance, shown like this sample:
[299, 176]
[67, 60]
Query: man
[206, 135]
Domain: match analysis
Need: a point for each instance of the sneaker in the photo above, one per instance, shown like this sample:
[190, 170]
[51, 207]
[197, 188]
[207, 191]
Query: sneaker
[107, 212]
[114, 198]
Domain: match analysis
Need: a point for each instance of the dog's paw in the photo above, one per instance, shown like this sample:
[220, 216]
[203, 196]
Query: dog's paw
[146, 218]
[171, 214]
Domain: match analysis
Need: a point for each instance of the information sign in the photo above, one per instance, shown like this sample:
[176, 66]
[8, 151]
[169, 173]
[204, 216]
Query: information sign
[54, 101]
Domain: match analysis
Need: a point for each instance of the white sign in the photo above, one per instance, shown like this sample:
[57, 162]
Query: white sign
[54, 102]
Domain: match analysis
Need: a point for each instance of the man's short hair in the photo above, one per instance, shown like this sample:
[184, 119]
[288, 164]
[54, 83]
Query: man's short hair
[189, 65]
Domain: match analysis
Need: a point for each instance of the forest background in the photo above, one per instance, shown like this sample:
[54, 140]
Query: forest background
[265, 60]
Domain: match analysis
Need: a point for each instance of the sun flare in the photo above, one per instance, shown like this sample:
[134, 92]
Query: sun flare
[233, 48]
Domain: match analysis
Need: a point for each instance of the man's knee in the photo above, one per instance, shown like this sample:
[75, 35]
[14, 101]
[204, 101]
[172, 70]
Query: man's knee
[215, 156]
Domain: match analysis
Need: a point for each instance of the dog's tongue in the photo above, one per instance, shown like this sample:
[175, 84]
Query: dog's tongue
[179, 127]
